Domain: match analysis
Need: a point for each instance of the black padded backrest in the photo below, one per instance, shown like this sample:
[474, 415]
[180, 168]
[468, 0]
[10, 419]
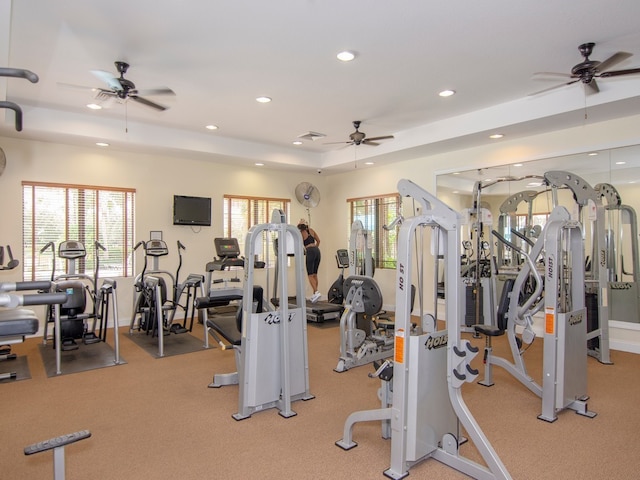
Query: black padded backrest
[503, 306]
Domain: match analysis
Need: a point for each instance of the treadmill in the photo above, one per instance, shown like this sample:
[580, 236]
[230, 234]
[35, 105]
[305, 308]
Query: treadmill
[319, 311]
[330, 310]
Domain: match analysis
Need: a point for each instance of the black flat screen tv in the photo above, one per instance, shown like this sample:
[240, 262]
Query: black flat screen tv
[191, 211]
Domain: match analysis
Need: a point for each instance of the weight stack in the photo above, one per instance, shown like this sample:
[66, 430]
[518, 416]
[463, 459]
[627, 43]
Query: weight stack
[470, 303]
[593, 322]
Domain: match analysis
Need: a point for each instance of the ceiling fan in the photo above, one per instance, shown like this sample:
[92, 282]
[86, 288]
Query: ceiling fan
[360, 138]
[588, 70]
[120, 88]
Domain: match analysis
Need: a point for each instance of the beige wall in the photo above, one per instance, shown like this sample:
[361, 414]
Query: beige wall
[158, 178]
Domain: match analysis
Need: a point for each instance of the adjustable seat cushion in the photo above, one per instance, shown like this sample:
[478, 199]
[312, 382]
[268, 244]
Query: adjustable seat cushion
[18, 322]
[503, 308]
[227, 326]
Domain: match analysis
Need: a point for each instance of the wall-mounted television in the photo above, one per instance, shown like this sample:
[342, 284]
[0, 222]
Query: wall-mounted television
[191, 210]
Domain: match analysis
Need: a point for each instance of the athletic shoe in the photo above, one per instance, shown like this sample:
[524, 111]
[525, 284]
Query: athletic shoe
[315, 297]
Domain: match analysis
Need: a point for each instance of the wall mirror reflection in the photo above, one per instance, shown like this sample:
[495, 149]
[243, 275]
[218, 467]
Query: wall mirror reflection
[517, 199]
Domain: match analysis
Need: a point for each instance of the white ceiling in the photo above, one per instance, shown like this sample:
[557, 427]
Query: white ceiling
[219, 55]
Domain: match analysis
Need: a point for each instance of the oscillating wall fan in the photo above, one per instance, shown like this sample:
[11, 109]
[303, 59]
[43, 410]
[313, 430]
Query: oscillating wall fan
[308, 196]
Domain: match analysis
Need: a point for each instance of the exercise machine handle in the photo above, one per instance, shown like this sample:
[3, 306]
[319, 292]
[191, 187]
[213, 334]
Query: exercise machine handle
[523, 237]
[44, 299]
[19, 73]
[21, 286]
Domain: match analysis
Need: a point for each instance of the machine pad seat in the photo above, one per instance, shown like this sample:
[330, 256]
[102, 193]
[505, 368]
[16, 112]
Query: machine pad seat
[18, 322]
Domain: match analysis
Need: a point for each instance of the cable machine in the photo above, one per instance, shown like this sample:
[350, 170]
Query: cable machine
[426, 408]
[622, 239]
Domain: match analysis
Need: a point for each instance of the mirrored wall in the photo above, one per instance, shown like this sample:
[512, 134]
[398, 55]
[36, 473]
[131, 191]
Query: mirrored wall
[619, 167]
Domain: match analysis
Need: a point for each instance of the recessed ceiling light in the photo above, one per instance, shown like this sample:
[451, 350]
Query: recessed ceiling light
[102, 144]
[211, 127]
[259, 164]
[517, 164]
[346, 56]
[496, 135]
[263, 99]
[94, 106]
[297, 142]
[369, 163]
[447, 93]
[455, 191]
[592, 154]
[621, 163]
[456, 173]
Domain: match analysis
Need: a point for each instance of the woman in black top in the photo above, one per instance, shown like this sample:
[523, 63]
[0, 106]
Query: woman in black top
[311, 242]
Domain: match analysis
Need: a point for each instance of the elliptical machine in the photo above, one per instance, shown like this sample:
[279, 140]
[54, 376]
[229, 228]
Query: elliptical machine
[74, 313]
[153, 310]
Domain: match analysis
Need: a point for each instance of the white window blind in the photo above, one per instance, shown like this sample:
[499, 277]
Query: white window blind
[241, 213]
[375, 213]
[57, 212]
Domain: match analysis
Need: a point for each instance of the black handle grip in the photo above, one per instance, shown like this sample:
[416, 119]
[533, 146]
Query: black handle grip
[34, 285]
[44, 299]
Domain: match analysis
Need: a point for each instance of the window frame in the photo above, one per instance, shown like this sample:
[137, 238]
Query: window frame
[90, 227]
[385, 242]
[252, 218]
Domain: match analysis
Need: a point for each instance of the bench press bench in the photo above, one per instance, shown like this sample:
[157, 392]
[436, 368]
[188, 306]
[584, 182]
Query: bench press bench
[16, 323]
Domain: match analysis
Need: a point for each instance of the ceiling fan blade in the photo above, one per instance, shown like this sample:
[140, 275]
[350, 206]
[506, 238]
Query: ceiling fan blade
[77, 87]
[369, 142]
[612, 60]
[155, 91]
[337, 143]
[553, 88]
[109, 79]
[375, 139]
[616, 73]
[550, 76]
[148, 103]
[591, 87]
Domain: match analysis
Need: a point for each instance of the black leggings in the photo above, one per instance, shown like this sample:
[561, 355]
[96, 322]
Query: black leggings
[313, 260]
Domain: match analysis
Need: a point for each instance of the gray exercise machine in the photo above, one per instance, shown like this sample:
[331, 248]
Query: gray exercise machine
[154, 311]
[15, 322]
[622, 247]
[426, 409]
[271, 351]
[17, 73]
[74, 316]
[597, 278]
[361, 342]
[564, 384]
[363, 300]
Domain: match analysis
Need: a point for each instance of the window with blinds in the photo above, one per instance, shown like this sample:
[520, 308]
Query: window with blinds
[53, 213]
[375, 213]
[241, 213]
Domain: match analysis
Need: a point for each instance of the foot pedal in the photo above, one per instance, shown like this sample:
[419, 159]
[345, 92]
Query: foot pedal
[178, 329]
[90, 338]
[68, 345]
